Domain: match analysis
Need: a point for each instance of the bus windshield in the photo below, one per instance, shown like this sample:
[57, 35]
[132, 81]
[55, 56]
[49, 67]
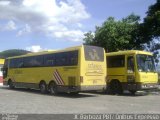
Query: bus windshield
[93, 53]
[145, 63]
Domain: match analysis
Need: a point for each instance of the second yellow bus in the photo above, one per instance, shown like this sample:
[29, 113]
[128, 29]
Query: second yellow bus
[131, 70]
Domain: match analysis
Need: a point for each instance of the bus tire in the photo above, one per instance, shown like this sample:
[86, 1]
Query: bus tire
[43, 87]
[132, 92]
[115, 87]
[53, 88]
[11, 85]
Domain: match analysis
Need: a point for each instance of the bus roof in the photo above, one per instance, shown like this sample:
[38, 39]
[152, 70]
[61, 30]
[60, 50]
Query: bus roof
[47, 52]
[128, 52]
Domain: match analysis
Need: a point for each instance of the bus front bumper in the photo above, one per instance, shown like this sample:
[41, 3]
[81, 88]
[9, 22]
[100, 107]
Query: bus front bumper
[139, 86]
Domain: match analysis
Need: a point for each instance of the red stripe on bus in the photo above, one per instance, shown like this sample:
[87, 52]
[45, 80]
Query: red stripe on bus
[56, 79]
[60, 77]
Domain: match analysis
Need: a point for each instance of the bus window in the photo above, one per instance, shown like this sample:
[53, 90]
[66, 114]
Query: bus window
[16, 63]
[69, 58]
[93, 53]
[61, 59]
[49, 60]
[145, 63]
[33, 61]
[73, 57]
[115, 61]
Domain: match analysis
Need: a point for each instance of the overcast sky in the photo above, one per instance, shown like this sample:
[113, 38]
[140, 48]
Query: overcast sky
[54, 24]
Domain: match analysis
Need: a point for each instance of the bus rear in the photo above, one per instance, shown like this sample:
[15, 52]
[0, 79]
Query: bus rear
[93, 68]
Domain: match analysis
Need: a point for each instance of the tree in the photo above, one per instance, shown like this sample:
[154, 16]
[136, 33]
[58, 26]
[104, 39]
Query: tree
[152, 20]
[151, 29]
[89, 38]
[115, 35]
[128, 33]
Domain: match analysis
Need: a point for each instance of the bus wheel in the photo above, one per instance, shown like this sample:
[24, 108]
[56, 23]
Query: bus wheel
[43, 87]
[132, 92]
[115, 87]
[10, 83]
[53, 88]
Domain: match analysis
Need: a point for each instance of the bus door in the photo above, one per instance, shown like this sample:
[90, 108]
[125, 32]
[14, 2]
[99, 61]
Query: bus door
[5, 69]
[15, 71]
[1, 76]
[130, 69]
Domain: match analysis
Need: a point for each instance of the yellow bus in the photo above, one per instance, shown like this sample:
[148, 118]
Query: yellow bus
[1, 76]
[71, 70]
[131, 70]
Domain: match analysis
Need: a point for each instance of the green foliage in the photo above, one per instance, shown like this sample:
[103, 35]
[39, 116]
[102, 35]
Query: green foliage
[115, 35]
[151, 29]
[13, 52]
[152, 20]
[88, 38]
[128, 33]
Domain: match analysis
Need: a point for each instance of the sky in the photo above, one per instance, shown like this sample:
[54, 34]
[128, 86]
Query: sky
[38, 25]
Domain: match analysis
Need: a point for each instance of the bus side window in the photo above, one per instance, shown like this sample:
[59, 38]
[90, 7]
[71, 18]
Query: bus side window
[115, 61]
[73, 58]
[130, 64]
[61, 59]
[49, 60]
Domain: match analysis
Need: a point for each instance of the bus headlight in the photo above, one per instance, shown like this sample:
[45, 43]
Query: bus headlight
[130, 78]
